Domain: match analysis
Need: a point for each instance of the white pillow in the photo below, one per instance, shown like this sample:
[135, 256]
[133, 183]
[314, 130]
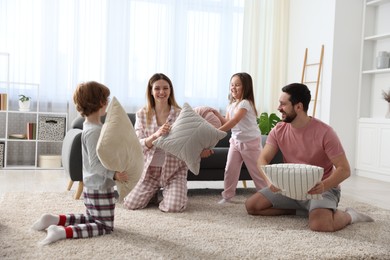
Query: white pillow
[295, 180]
[119, 149]
[189, 135]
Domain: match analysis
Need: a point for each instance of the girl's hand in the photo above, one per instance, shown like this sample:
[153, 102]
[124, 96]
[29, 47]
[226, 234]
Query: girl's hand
[206, 153]
[121, 176]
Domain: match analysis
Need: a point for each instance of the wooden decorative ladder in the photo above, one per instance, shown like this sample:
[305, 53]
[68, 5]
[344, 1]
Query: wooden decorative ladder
[317, 80]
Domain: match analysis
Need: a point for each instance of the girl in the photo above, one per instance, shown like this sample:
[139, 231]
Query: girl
[245, 142]
[91, 99]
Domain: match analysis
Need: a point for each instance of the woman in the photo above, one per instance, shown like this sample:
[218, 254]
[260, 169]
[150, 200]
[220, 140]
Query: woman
[161, 169]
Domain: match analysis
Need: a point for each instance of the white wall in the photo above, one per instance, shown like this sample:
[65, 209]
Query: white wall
[311, 25]
[337, 25]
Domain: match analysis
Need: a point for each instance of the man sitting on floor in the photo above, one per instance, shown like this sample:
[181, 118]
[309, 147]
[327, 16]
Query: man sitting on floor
[305, 140]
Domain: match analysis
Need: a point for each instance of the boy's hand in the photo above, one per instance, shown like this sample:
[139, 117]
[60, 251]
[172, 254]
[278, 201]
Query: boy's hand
[121, 176]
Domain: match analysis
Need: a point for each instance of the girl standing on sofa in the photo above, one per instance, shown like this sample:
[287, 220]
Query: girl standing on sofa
[161, 169]
[91, 99]
[245, 142]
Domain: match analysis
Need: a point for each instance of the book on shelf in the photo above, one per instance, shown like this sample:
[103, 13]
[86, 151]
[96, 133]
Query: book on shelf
[3, 101]
[31, 131]
[17, 136]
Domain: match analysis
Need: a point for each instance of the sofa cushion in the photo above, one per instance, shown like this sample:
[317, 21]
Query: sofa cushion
[216, 160]
[189, 135]
[295, 180]
[119, 148]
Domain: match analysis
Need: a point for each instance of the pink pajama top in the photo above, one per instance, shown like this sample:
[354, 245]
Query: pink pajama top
[171, 163]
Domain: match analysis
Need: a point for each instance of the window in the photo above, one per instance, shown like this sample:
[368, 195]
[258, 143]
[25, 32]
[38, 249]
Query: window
[57, 44]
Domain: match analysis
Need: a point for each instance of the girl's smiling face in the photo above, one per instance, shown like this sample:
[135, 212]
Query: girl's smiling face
[236, 88]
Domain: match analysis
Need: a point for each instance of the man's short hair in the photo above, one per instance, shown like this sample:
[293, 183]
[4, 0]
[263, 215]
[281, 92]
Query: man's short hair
[299, 93]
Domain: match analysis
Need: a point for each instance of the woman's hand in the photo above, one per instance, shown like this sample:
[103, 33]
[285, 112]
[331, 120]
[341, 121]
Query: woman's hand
[121, 176]
[163, 130]
[206, 153]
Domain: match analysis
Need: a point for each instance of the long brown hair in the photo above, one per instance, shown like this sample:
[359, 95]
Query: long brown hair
[247, 89]
[151, 103]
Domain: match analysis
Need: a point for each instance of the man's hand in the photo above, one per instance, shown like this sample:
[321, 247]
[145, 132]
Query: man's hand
[273, 188]
[317, 189]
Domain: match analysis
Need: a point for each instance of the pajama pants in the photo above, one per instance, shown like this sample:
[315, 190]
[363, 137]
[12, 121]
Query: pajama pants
[174, 190]
[240, 152]
[99, 217]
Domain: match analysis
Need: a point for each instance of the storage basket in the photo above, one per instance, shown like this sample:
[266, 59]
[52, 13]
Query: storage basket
[51, 128]
[49, 161]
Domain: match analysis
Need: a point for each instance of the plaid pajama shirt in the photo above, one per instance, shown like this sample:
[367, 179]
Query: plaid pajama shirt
[172, 176]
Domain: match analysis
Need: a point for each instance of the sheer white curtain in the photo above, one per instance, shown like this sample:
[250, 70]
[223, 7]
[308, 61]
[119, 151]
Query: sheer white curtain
[199, 44]
[265, 49]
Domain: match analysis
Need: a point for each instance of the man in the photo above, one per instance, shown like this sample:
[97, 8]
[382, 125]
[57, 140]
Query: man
[306, 140]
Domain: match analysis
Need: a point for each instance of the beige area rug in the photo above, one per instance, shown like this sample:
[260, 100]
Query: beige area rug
[205, 230]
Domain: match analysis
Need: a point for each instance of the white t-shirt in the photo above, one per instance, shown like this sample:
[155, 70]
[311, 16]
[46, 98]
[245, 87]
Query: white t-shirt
[247, 129]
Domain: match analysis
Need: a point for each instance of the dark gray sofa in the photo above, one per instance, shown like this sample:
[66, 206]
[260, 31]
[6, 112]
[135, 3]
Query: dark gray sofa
[211, 168]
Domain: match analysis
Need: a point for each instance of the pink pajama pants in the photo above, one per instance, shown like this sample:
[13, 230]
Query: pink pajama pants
[174, 191]
[240, 152]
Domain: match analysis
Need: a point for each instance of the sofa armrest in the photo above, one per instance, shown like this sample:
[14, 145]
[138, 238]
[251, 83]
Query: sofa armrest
[71, 154]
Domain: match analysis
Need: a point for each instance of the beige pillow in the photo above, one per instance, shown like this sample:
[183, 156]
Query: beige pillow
[189, 135]
[118, 147]
[295, 180]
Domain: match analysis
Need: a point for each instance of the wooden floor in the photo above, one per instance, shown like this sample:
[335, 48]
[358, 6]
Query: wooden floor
[359, 188]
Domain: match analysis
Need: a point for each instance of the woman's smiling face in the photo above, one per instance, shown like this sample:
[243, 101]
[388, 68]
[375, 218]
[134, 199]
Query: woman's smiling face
[161, 90]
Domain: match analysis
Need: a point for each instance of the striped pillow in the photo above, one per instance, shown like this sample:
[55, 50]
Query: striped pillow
[295, 180]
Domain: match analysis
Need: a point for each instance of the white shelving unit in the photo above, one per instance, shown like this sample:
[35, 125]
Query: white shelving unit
[373, 149]
[23, 153]
[373, 136]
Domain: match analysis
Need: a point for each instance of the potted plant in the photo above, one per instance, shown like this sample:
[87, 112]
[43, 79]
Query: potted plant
[386, 96]
[266, 123]
[24, 103]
